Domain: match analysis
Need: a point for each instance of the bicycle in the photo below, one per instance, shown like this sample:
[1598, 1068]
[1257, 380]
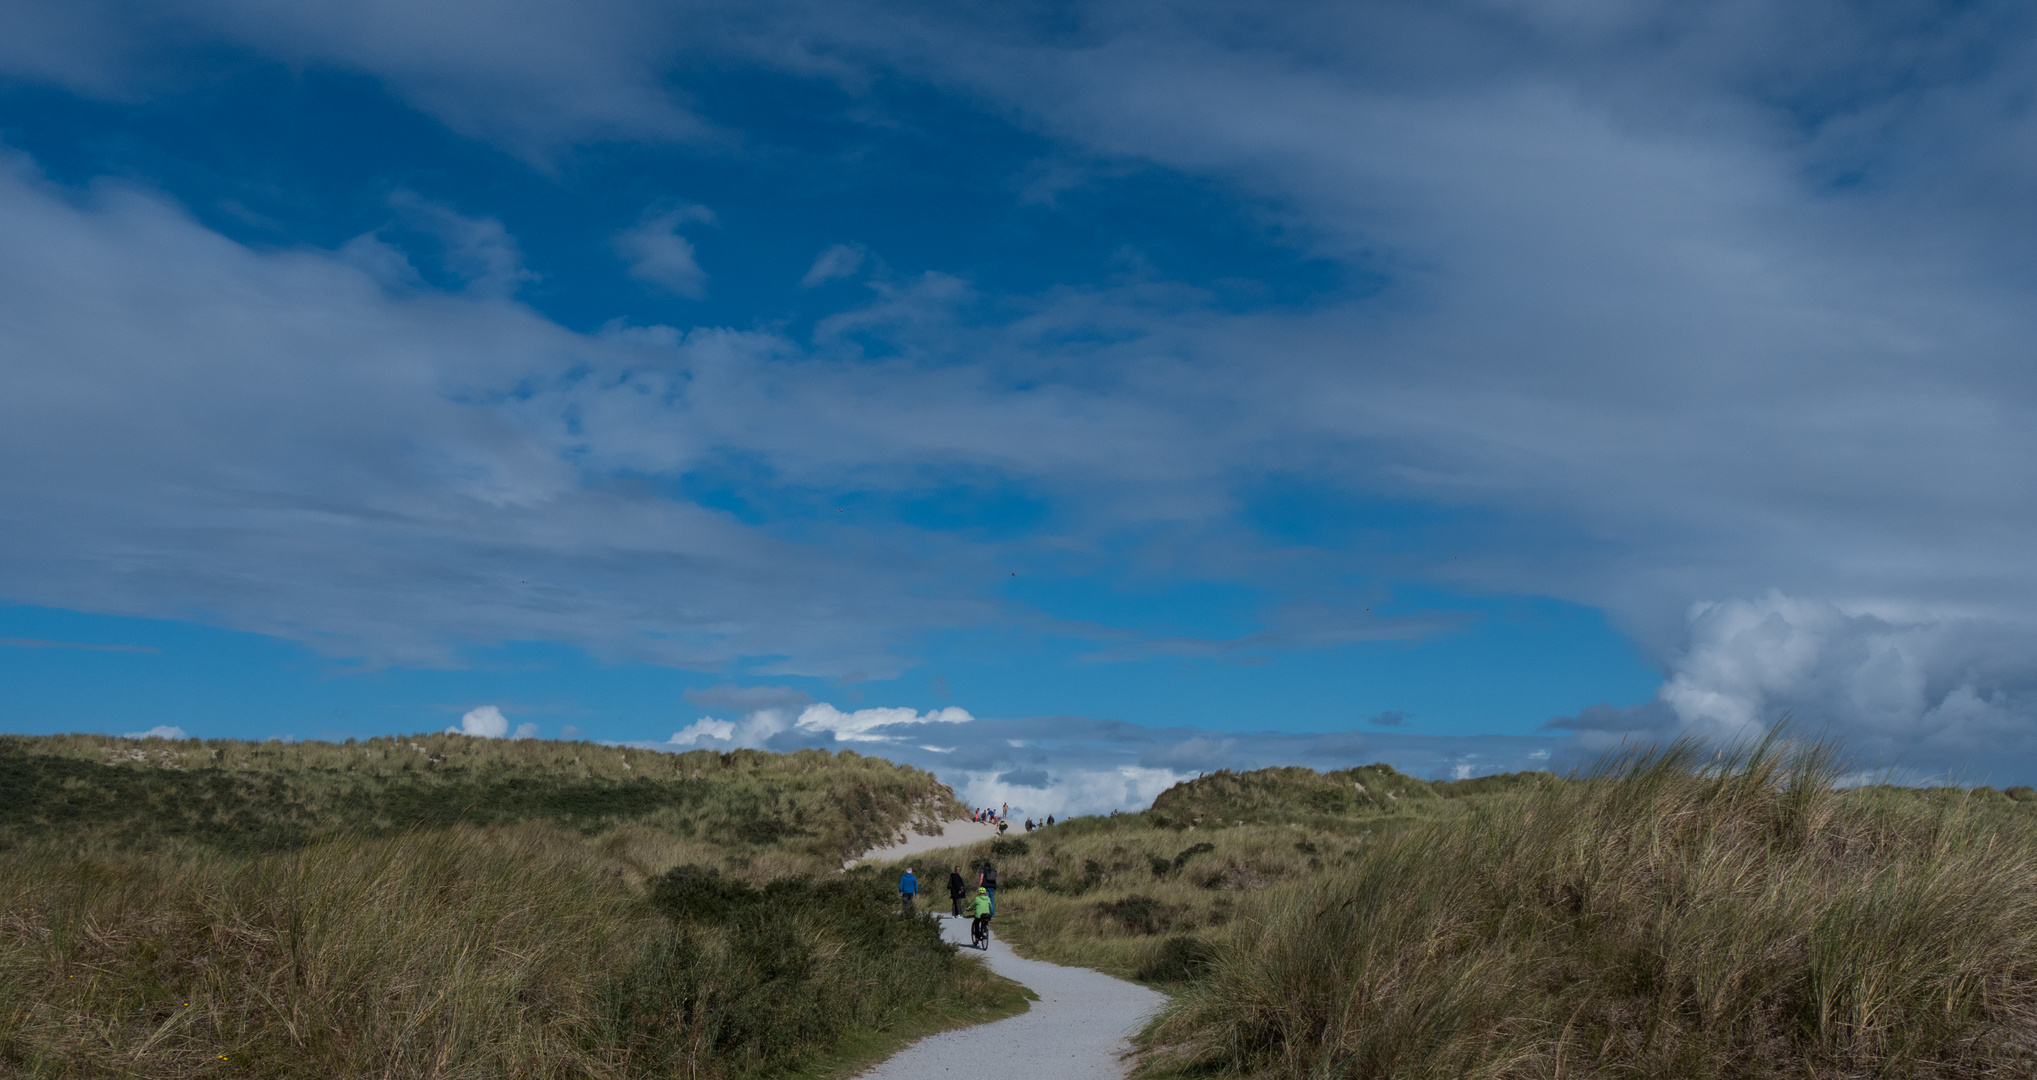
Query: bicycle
[979, 933]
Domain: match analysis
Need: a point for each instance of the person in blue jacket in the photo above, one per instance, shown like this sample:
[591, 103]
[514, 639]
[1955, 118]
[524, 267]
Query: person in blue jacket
[908, 888]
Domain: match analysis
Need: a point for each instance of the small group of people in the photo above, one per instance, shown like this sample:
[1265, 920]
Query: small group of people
[988, 816]
[980, 904]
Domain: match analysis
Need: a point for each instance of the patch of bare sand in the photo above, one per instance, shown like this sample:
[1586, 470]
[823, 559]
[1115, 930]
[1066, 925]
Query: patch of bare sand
[954, 834]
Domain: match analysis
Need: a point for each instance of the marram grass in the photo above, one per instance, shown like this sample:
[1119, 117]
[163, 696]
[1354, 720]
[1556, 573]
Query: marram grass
[405, 922]
[1680, 916]
[1675, 914]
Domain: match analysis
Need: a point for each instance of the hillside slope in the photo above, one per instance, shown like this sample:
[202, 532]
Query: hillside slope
[448, 907]
[1295, 794]
[255, 797]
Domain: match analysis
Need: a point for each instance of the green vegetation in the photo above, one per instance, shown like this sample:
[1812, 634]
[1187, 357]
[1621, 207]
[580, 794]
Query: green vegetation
[256, 797]
[1677, 914]
[1144, 895]
[464, 909]
[1331, 801]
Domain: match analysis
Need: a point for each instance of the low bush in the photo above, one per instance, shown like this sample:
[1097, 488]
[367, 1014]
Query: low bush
[760, 980]
[1182, 958]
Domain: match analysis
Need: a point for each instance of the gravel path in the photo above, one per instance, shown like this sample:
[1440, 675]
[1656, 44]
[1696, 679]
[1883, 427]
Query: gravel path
[1076, 1031]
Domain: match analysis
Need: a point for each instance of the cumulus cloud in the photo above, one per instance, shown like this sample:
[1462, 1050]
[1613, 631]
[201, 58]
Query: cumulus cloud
[660, 254]
[706, 727]
[160, 731]
[839, 261]
[1076, 764]
[872, 725]
[485, 722]
[1896, 685]
[1667, 334]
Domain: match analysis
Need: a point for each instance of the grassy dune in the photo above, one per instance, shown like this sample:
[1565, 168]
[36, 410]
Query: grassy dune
[492, 910]
[1680, 915]
[1144, 896]
[1683, 916]
[254, 797]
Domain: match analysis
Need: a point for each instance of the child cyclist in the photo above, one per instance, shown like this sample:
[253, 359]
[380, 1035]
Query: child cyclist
[979, 924]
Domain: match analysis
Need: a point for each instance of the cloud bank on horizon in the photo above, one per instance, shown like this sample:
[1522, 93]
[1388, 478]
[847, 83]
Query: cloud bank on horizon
[786, 341]
[1078, 765]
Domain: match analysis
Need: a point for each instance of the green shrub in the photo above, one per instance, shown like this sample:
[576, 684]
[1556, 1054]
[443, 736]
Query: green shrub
[1181, 958]
[760, 980]
[1138, 914]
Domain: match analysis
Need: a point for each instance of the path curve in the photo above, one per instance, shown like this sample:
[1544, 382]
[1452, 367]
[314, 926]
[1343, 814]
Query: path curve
[953, 834]
[1080, 1028]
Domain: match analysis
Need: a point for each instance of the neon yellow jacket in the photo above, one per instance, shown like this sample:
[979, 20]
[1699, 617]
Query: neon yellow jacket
[980, 905]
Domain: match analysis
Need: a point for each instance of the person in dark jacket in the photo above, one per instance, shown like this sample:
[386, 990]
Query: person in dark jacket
[987, 878]
[957, 888]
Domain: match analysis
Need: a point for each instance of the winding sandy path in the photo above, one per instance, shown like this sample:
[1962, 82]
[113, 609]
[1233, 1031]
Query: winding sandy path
[953, 834]
[1078, 1030]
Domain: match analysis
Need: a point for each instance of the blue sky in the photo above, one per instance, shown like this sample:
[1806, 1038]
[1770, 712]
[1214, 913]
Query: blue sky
[1470, 385]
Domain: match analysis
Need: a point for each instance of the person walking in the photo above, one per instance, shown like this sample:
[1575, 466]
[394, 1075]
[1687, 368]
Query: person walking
[957, 888]
[908, 888]
[986, 879]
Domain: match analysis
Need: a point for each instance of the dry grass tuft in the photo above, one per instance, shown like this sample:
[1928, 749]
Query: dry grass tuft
[1682, 916]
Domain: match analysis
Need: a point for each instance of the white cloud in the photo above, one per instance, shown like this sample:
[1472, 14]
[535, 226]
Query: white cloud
[1071, 790]
[479, 251]
[706, 727]
[526, 731]
[1677, 338]
[1900, 686]
[160, 731]
[486, 722]
[659, 254]
[872, 725]
[754, 730]
[839, 261]
[1072, 764]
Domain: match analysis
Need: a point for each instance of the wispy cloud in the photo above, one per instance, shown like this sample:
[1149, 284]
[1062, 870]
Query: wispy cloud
[660, 254]
[37, 643]
[160, 731]
[838, 261]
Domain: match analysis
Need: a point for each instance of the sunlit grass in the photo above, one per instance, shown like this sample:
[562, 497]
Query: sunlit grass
[403, 922]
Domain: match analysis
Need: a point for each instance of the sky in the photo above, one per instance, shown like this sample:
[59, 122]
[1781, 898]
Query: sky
[1066, 398]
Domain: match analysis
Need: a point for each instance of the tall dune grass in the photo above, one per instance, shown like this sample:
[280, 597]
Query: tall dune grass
[1679, 916]
[449, 908]
[461, 953]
